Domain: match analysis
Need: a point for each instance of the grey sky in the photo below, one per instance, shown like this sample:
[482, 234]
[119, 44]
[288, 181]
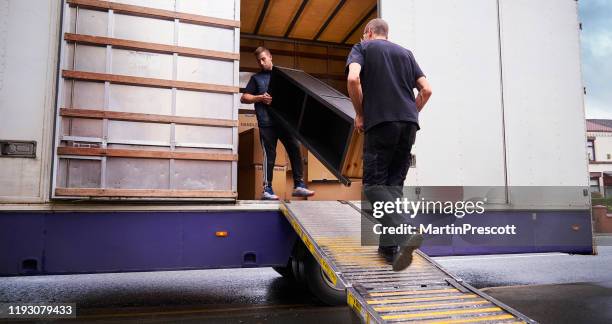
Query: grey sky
[596, 17]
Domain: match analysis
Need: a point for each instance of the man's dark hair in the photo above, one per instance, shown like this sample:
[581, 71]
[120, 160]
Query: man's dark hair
[378, 27]
[260, 50]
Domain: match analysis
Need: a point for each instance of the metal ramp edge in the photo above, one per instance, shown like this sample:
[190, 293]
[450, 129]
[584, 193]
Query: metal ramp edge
[345, 263]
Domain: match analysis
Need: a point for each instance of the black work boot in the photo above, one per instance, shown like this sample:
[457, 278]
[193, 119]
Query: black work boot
[403, 258]
[388, 252]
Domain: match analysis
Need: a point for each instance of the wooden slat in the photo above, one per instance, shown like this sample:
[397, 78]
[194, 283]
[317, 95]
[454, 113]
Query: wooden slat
[295, 18]
[150, 47]
[154, 193]
[279, 16]
[313, 17]
[149, 82]
[353, 162]
[262, 14]
[344, 21]
[248, 17]
[361, 22]
[146, 154]
[155, 13]
[151, 118]
[329, 19]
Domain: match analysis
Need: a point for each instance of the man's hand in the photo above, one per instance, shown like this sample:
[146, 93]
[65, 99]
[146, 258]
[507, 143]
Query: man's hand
[266, 98]
[248, 98]
[359, 123]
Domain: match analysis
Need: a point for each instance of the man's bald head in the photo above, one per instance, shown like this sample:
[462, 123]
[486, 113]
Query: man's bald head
[378, 27]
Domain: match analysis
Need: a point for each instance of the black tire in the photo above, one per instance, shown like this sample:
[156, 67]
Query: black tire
[285, 271]
[320, 286]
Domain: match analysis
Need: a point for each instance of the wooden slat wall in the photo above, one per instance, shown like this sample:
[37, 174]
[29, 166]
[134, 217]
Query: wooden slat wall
[75, 148]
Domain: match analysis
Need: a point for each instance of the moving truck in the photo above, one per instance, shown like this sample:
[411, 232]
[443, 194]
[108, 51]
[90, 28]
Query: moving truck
[119, 124]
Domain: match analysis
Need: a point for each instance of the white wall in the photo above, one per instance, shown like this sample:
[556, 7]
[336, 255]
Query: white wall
[603, 147]
[29, 35]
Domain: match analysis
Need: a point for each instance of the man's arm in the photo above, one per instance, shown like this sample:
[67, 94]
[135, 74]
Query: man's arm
[248, 98]
[424, 93]
[356, 94]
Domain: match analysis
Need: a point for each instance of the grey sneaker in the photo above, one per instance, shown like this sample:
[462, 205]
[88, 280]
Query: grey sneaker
[301, 191]
[403, 258]
[268, 194]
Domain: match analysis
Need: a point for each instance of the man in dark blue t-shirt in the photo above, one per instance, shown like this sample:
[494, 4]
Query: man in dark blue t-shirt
[382, 77]
[256, 92]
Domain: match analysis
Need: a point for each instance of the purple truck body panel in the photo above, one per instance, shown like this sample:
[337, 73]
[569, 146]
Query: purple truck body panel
[121, 241]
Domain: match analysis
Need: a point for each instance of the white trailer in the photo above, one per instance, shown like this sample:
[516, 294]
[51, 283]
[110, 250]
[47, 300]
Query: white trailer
[135, 99]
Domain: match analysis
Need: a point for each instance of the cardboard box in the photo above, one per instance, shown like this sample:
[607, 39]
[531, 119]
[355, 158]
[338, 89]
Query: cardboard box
[317, 171]
[250, 151]
[250, 182]
[246, 122]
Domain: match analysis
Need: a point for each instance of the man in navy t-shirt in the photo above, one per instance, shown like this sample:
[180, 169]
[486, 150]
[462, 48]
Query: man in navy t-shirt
[382, 77]
[256, 92]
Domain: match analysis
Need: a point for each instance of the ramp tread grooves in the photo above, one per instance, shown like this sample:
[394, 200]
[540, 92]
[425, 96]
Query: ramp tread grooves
[391, 276]
[406, 285]
[442, 314]
[507, 318]
[437, 306]
[486, 318]
[447, 296]
[387, 280]
[383, 272]
[353, 269]
[420, 299]
[412, 292]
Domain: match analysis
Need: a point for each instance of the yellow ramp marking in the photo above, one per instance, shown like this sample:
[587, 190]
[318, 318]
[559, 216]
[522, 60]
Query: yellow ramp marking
[476, 319]
[400, 308]
[454, 312]
[407, 300]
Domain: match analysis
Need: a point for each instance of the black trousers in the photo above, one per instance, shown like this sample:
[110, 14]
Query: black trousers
[386, 160]
[269, 137]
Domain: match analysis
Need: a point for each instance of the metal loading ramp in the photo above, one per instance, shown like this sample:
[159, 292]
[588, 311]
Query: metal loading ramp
[424, 293]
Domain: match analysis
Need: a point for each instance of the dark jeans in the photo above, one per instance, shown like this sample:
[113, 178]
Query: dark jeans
[269, 137]
[386, 159]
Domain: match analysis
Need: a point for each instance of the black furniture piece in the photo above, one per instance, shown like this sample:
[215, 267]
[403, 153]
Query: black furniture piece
[321, 117]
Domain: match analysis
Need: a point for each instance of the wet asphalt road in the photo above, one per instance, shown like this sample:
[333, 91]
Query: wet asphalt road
[551, 288]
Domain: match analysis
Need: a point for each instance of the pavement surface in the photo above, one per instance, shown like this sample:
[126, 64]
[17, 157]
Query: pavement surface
[550, 288]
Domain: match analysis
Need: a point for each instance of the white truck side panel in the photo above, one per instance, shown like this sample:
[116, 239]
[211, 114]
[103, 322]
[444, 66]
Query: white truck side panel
[543, 93]
[457, 46]
[28, 61]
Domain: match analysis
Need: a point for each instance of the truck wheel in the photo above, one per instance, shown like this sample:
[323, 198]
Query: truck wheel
[320, 285]
[286, 271]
